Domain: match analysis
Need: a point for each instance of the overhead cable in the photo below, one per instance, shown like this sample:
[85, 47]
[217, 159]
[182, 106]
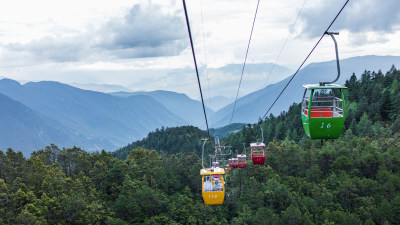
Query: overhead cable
[280, 52]
[205, 57]
[195, 65]
[244, 64]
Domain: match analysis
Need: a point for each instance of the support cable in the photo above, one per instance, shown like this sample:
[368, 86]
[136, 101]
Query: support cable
[244, 64]
[205, 57]
[195, 65]
[309, 54]
[281, 50]
[287, 38]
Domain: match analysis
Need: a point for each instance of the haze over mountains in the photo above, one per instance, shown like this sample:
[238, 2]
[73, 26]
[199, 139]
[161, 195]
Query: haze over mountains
[23, 128]
[36, 114]
[106, 88]
[105, 121]
[218, 102]
[226, 87]
[181, 105]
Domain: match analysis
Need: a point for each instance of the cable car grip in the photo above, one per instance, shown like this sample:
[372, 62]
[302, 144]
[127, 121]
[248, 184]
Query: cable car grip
[337, 58]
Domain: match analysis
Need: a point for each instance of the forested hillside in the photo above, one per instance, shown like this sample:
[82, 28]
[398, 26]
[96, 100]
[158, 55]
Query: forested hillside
[352, 180]
[168, 141]
[223, 132]
[175, 140]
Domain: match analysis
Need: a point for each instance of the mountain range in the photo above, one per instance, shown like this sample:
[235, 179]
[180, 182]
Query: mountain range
[103, 120]
[36, 114]
[23, 128]
[179, 104]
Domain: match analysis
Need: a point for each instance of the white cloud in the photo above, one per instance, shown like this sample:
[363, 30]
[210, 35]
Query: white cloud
[358, 17]
[145, 31]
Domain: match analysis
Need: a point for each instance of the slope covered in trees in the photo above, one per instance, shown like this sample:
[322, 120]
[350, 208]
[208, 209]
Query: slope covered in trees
[223, 132]
[352, 180]
[168, 141]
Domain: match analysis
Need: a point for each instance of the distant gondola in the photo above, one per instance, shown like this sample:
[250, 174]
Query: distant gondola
[241, 161]
[257, 153]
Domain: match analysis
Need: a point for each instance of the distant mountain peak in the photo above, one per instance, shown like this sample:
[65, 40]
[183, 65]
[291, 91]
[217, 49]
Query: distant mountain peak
[105, 88]
[7, 81]
[46, 83]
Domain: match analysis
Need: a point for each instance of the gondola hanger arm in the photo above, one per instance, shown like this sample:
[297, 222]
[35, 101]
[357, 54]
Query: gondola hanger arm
[337, 58]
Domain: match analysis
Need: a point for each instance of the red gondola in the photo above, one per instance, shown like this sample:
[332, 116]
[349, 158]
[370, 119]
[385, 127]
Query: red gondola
[235, 163]
[241, 161]
[258, 153]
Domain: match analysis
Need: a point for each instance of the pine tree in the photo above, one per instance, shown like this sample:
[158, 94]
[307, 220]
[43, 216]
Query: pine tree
[386, 106]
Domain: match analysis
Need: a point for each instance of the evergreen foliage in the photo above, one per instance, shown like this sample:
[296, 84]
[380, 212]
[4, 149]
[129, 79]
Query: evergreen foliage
[223, 132]
[352, 180]
[168, 141]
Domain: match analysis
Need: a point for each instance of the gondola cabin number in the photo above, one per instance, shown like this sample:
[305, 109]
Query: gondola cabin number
[327, 126]
[212, 196]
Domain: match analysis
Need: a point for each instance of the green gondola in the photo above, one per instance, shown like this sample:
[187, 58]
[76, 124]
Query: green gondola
[323, 111]
[323, 107]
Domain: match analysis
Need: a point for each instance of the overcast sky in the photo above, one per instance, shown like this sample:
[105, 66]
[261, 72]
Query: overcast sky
[144, 45]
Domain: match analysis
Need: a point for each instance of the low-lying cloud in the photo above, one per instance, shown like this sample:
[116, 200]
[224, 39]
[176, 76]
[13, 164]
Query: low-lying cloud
[51, 49]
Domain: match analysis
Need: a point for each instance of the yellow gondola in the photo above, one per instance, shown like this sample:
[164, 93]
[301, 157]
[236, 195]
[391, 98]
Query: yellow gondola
[213, 185]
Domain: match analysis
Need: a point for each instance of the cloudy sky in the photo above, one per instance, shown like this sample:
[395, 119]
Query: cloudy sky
[144, 45]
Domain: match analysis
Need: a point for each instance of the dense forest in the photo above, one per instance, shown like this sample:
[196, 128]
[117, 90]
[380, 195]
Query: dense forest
[170, 140]
[223, 132]
[173, 140]
[352, 180]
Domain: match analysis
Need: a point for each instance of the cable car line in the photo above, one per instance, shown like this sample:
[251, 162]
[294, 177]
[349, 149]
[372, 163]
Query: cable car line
[309, 54]
[257, 149]
[245, 59]
[281, 50]
[287, 38]
[205, 57]
[195, 65]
